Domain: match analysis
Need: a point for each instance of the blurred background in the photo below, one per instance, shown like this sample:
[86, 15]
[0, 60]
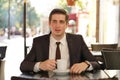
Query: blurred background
[98, 21]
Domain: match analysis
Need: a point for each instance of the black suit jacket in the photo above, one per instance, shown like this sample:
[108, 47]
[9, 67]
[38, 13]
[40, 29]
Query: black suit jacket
[78, 52]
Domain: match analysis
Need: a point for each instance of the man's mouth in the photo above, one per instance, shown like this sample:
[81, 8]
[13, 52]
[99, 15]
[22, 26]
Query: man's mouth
[57, 30]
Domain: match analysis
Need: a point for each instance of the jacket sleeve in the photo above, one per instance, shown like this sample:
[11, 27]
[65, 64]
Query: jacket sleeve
[27, 65]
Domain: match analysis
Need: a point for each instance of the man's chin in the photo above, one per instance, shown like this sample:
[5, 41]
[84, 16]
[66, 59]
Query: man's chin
[58, 34]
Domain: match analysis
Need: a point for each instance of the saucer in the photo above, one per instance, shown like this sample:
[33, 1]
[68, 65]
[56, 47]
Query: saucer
[58, 72]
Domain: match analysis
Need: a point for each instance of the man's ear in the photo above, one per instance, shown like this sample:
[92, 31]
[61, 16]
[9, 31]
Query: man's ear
[66, 25]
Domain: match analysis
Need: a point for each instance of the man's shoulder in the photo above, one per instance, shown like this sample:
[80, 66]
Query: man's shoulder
[41, 37]
[74, 35]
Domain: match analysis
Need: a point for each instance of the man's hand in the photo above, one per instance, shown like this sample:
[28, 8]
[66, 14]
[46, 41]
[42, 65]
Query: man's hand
[48, 65]
[78, 68]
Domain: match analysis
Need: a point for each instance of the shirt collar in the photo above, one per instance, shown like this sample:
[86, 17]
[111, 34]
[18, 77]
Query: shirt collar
[53, 40]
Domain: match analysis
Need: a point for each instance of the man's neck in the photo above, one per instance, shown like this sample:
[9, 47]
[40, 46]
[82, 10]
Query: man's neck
[58, 38]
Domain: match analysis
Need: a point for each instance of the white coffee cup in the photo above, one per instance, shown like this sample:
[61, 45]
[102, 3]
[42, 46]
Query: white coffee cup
[61, 64]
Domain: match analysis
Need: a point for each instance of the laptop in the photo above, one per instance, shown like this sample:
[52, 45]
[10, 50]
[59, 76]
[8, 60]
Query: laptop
[2, 52]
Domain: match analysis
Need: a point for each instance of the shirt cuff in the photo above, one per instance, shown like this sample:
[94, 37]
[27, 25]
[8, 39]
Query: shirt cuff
[90, 66]
[36, 67]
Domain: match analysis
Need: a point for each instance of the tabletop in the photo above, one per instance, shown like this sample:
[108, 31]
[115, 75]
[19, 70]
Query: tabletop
[97, 75]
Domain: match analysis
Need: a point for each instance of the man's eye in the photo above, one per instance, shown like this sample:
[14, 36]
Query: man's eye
[54, 21]
[62, 22]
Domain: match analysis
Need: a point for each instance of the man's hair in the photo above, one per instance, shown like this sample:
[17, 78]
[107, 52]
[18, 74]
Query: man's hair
[58, 11]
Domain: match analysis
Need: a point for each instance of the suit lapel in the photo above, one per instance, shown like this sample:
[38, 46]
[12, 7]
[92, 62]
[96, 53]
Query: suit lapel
[46, 46]
[70, 47]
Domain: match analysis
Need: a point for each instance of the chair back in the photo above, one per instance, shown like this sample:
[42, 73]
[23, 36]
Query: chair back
[111, 58]
[2, 51]
[99, 47]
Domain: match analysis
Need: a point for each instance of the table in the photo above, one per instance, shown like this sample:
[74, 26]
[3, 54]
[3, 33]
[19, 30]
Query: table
[113, 73]
[97, 75]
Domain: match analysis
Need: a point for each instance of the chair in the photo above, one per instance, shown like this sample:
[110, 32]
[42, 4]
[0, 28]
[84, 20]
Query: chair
[2, 51]
[2, 62]
[28, 48]
[111, 58]
[99, 47]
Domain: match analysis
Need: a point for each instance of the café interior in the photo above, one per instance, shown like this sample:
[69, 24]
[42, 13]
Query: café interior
[98, 21]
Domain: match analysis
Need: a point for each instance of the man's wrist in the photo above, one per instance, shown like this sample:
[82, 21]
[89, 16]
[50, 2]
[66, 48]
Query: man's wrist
[36, 67]
[86, 62]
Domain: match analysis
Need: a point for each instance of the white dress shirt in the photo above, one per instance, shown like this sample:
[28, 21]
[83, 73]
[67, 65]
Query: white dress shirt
[63, 49]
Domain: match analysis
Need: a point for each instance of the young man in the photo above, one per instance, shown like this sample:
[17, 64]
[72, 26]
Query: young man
[72, 48]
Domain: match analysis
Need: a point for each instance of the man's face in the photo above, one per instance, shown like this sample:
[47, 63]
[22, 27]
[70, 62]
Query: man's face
[58, 25]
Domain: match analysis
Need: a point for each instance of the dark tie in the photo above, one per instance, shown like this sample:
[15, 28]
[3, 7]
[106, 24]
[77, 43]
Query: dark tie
[58, 56]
